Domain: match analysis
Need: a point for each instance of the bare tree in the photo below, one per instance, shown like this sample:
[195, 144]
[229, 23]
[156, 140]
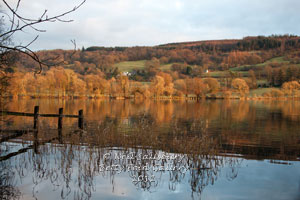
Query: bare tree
[19, 23]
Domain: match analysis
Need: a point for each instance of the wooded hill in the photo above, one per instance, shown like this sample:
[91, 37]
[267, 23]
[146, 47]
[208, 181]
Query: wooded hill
[261, 62]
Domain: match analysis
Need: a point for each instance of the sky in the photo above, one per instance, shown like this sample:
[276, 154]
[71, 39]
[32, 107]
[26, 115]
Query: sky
[152, 22]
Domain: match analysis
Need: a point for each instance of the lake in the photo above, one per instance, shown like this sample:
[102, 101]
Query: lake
[143, 149]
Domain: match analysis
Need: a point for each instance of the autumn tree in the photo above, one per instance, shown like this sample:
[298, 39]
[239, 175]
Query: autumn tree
[29, 82]
[240, 86]
[199, 88]
[138, 90]
[168, 84]
[96, 85]
[51, 81]
[123, 83]
[237, 58]
[180, 86]
[164, 60]
[157, 86]
[189, 82]
[40, 85]
[212, 84]
[114, 88]
[291, 87]
[153, 63]
[17, 85]
[75, 85]
[253, 83]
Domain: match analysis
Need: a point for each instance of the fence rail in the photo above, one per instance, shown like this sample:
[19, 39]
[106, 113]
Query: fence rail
[32, 114]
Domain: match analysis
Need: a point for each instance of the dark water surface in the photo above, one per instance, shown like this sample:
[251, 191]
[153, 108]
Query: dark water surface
[153, 150]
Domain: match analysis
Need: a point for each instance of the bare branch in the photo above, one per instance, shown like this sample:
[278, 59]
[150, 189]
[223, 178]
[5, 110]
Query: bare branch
[19, 23]
[43, 14]
[18, 4]
[32, 41]
[44, 18]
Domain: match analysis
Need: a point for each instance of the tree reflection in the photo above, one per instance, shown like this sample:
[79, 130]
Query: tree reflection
[7, 182]
[74, 164]
[73, 167]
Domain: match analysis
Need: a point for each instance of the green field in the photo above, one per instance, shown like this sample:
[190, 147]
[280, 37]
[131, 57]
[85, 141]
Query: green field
[216, 74]
[278, 60]
[128, 66]
[275, 60]
[166, 67]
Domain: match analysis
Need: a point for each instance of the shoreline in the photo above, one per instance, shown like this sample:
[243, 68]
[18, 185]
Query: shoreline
[153, 98]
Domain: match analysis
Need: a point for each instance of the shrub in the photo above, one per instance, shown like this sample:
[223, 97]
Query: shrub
[274, 93]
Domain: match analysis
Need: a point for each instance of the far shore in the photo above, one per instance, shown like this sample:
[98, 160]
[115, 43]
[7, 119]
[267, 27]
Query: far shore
[190, 97]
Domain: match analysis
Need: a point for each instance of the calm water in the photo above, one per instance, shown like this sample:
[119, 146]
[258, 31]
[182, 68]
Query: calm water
[153, 150]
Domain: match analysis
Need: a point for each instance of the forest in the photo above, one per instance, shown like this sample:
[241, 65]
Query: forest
[262, 66]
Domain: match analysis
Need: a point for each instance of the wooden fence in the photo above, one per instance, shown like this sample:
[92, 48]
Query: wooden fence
[12, 134]
[36, 116]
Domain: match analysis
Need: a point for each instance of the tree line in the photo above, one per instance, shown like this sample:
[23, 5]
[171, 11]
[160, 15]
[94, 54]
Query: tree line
[60, 82]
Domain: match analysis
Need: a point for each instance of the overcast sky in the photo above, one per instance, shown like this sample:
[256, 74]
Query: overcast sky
[153, 22]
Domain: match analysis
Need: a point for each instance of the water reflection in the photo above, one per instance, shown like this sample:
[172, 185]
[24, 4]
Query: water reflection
[71, 167]
[144, 146]
[72, 170]
[8, 189]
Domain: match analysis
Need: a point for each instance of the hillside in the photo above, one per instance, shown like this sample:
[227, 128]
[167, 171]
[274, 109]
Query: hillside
[261, 62]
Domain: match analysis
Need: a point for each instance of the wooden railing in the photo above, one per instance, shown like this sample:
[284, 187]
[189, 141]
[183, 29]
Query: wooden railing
[36, 116]
[13, 134]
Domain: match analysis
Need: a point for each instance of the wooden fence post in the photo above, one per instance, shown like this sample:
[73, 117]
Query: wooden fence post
[60, 111]
[36, 117]
[80, 119]
[60, 136]
[36, 141]
[35, 126]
